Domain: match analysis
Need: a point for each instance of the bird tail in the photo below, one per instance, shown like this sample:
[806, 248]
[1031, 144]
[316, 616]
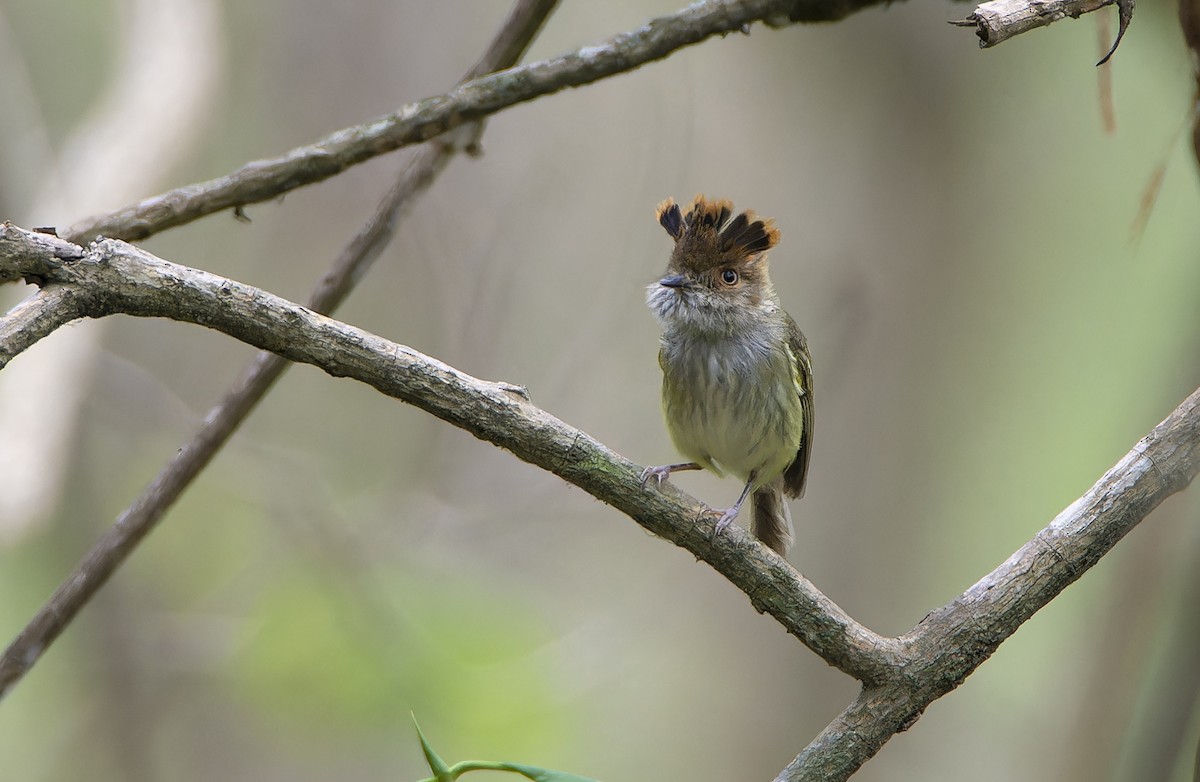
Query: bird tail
[771, 521]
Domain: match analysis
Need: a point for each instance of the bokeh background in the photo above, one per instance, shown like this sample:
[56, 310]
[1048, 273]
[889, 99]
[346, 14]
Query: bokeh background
[989, 329]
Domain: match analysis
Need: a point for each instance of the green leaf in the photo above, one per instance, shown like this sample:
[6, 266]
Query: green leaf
[438, 766]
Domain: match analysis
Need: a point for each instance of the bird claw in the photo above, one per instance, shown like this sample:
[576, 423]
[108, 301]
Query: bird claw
[659, 474]
[727, 517]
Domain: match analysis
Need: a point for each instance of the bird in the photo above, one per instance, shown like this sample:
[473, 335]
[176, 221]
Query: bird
[737, 391]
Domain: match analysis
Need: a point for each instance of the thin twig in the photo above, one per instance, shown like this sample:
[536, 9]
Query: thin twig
[119, 541]
[265, 179]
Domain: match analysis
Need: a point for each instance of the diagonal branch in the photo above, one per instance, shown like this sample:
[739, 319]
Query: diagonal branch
[36, 318]
[114, 277]
[261, 180]
[902, 676]
[957, 638]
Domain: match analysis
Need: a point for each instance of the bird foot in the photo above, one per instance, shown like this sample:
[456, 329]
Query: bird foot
[727, 517]
[659, 474]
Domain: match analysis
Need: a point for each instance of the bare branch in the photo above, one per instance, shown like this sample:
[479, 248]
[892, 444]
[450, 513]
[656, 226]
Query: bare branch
[264, 179]
[902, 676]
[106, 155]
[35, 319]
[114, 277]
[997, 21]
[955, 639]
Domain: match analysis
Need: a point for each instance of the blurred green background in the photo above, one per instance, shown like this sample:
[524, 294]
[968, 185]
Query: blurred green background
[989, 335]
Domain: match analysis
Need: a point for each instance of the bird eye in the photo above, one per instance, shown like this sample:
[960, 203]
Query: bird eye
[729, 277]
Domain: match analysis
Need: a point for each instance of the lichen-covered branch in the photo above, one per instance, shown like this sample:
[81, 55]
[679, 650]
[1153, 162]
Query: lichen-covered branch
[957, 638]
[114, 277]
[901, 676]
[261, 180]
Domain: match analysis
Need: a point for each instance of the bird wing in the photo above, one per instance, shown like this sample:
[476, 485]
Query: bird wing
[796, 475]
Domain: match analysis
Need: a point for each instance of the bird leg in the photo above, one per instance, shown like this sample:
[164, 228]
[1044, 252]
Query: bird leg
[728, 516]
[660, 474]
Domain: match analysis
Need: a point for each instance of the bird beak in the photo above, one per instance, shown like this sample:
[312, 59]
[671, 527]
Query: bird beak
[673, 281]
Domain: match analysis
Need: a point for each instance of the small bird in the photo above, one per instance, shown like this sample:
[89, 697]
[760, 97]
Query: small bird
[737, 376]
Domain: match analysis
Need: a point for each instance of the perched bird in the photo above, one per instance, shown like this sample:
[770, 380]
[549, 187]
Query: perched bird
[737, 377]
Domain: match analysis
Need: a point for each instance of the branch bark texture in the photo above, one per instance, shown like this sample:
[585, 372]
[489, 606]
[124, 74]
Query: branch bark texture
[997, 21]
[478, 98]
[114, 277]
[954, 640]
[901, 676]
[37, 317]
